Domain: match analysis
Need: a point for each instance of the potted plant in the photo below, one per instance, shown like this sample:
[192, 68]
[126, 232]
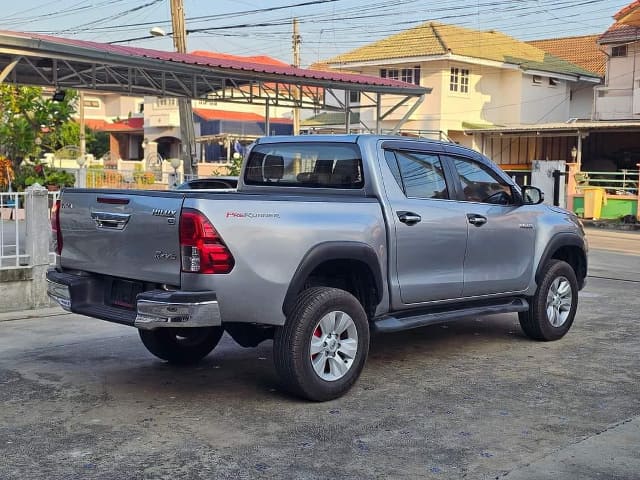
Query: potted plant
[56, 179]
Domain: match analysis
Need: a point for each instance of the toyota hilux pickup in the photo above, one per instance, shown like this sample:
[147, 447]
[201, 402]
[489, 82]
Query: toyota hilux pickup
[326, 240]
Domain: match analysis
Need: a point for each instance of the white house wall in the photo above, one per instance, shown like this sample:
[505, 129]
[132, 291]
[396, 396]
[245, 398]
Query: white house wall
[110, 106]
[622, 70]
[581, 105]
[543, 103]
[619, 99]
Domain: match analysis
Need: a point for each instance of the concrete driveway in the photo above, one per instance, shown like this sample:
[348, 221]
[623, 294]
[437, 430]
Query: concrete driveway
[81, 398]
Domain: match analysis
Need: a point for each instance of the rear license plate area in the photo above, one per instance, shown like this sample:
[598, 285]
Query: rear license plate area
[124, 293]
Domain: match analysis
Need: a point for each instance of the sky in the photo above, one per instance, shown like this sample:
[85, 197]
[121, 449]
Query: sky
[327, 27]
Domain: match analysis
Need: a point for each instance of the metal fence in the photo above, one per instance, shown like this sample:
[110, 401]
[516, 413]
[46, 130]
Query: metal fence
[623, 182]
[126, 179]
[13, 228]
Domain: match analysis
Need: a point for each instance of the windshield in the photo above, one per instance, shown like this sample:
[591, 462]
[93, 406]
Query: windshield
[319, 165]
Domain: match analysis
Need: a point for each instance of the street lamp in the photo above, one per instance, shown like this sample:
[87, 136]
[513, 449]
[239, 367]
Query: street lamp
[157, 32]
[81, 179]
[175, 163]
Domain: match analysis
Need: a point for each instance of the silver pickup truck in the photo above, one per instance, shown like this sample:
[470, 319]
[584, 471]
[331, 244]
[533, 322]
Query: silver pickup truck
[326, 239]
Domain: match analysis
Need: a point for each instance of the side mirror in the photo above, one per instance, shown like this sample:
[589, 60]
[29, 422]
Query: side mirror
[532, 195]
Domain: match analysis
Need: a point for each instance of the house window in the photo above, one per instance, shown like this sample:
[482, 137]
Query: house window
[464, 81]
[537, 79]
[408, 75]
[91, 103]
[354, 97]
[459, 80]
[166, 102]
[619, 51]
[553, 82]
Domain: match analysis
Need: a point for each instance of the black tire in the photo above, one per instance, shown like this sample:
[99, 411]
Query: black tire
[181, 346]
[536, 322]
[292, 344]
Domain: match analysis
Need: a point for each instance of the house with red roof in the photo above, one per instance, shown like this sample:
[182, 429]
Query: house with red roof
[217, 128]
[149, 127]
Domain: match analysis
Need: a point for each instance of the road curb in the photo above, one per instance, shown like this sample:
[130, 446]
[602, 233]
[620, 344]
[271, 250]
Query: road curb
[37, 313]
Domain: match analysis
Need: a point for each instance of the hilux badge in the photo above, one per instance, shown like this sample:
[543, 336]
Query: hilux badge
[162, 212]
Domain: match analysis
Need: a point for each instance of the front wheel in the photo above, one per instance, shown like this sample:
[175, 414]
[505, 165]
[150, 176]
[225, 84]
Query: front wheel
[553, 307]
[321, 350]
[181, 346]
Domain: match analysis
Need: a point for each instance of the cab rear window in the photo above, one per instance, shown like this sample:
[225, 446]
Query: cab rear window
[308, 164]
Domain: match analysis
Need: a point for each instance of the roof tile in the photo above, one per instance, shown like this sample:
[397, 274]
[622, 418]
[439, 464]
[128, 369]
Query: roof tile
[133, 124]
[619, 33]
[434, 39]
[580, 50]
[214, 114]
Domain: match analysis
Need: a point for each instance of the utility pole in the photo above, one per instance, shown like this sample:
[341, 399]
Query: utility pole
[187, 134]
[296, 63]
[83, 138]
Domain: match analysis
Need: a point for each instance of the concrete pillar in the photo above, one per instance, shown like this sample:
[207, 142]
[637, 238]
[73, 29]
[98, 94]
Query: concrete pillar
[572, 186]
[81, 177]
[638, 192]
[38, 234]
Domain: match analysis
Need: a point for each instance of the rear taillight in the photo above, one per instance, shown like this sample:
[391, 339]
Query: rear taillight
[55, 226]
[201, 248]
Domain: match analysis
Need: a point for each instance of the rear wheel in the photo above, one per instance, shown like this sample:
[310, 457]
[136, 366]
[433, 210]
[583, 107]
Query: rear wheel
[320, 351]
[553, 307]
[181, 346]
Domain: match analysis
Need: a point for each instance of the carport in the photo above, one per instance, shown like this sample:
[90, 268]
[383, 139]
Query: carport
[598, 145]
[601, 154]
[33, 59]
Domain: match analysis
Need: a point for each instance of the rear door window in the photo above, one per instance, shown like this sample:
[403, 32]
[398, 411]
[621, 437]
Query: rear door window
[308, 164]
[420, 175]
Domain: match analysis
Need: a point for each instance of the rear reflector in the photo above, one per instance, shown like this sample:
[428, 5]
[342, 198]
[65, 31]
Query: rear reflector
[55, 227]
[201, 247]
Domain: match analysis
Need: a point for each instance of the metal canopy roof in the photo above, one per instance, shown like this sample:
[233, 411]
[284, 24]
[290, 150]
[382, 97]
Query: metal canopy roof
[557, 129]
[34, 59]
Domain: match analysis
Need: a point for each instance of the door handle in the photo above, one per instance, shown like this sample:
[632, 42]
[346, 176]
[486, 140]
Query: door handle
[409, 218]
[475, 219]
[115, 221]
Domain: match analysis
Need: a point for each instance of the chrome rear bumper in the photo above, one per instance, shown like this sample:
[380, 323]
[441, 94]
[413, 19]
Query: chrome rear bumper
[85, 294]
[153, 314]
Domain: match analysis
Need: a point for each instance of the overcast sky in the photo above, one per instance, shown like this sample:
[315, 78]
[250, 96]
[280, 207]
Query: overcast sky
[328, 27]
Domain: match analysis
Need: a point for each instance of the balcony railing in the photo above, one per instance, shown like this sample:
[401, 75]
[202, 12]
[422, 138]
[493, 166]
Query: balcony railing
[623, 182]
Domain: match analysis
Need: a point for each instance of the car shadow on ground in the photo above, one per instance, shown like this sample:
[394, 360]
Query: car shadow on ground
[235, 372]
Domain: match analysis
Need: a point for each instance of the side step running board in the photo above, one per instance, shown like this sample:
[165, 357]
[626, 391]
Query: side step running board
[406, 320]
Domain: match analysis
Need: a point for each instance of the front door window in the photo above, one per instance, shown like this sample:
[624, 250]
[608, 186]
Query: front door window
[479, 184]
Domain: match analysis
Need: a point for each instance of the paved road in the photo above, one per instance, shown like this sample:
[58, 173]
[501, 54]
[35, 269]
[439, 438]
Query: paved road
[614, 240]
[81, 398]
[609, 255]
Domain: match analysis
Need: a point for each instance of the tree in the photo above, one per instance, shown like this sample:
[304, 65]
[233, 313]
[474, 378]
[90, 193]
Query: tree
[6, 172]
[69, 134]
[97, 142]
[26, 115]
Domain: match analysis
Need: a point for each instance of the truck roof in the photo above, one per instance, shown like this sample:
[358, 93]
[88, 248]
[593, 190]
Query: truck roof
[364, 138]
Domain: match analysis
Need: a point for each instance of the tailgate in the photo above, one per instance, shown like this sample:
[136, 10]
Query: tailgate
[123, 234]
